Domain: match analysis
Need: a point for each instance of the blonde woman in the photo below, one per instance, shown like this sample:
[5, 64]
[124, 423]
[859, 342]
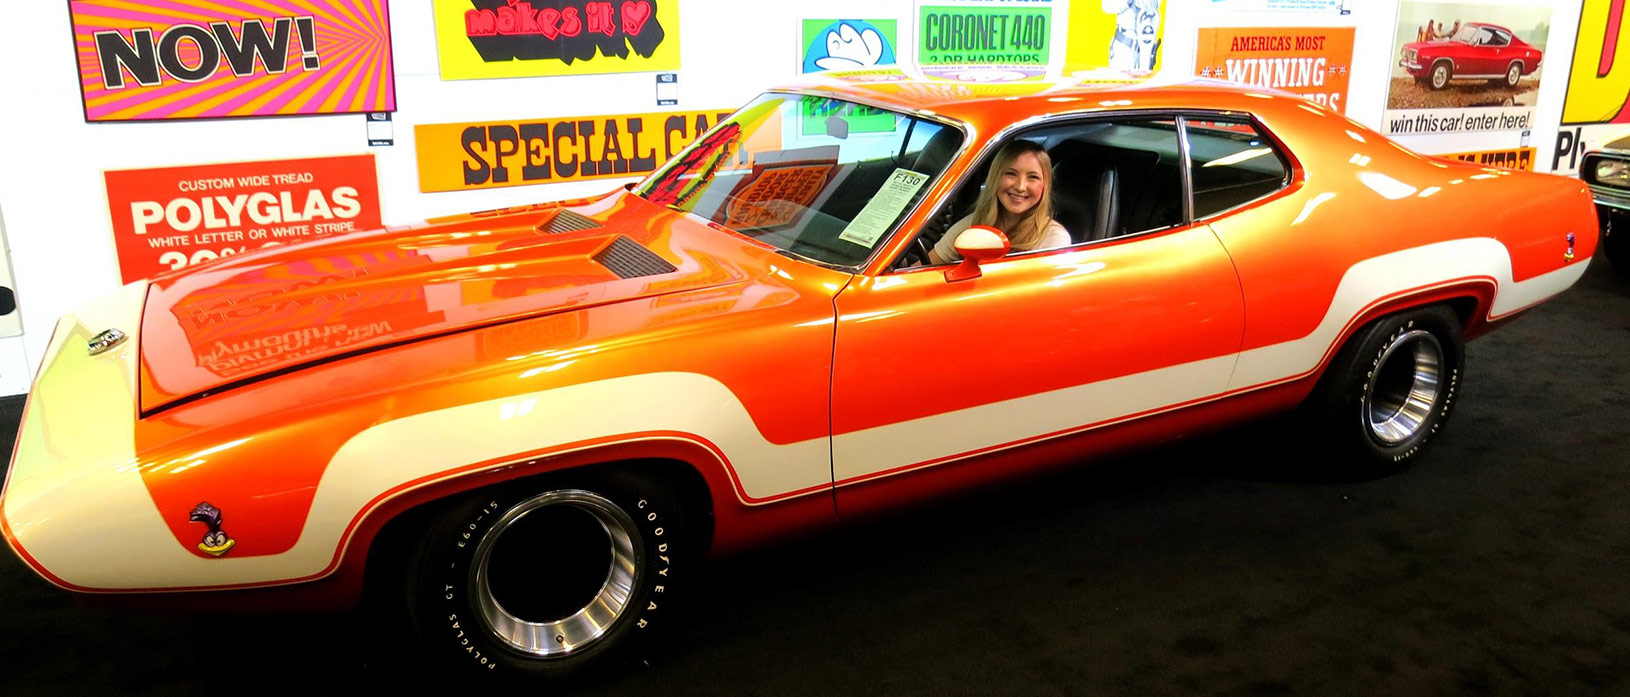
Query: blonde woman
[1017, 199]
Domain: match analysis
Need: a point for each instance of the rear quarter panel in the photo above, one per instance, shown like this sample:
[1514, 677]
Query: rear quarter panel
[1368, 222]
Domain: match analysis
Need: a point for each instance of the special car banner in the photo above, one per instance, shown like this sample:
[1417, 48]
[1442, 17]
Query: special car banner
[1476, 43]
[1514, 158]
[175, 217]
[145, 61]
[484, 155]
[1117, 34]
[1314, 62]
[1599, 83]
[529, 38]
[997, 40]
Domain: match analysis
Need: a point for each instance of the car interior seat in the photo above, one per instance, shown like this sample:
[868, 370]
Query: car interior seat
[1086, 191]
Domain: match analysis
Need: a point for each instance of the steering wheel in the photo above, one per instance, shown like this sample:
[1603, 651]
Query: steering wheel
[919, 249]
[916, 254]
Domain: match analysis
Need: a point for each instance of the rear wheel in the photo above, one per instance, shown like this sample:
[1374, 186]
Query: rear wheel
[1513, 74]
[550, 580]
[1390, 389]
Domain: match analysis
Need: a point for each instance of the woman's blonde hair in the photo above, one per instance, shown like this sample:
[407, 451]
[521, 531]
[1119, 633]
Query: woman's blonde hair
[1031, 227]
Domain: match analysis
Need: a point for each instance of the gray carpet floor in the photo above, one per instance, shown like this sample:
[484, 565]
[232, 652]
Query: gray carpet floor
[1498, 566]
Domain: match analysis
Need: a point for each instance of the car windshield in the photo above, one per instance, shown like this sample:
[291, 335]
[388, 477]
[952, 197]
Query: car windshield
[1467, 34]
[820, 178]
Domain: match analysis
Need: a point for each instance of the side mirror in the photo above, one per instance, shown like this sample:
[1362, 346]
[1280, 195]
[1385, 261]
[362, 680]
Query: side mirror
[977, 244]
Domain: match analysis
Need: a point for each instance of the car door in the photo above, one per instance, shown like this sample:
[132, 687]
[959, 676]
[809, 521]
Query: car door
[1488, 55]
[1042, 345]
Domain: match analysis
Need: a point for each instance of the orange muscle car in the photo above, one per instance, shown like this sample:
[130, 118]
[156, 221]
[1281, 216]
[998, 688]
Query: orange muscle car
[524, 427]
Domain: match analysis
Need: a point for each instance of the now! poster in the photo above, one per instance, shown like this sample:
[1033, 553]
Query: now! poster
[153, 61]
[175, 217]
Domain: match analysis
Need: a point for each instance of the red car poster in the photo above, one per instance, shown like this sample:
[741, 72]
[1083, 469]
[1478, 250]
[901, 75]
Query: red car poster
[175, 217]
[1466, 67]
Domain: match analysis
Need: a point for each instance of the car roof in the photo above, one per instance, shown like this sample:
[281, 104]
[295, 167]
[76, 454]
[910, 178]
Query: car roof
[981, 102]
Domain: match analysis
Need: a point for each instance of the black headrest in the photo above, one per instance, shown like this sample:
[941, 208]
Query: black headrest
[938, 152]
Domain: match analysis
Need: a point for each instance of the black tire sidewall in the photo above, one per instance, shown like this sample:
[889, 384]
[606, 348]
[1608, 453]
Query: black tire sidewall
[1345, 397]
[452, 628]
[1615, 240]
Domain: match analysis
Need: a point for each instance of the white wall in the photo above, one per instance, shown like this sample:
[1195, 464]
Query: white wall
[51, 161]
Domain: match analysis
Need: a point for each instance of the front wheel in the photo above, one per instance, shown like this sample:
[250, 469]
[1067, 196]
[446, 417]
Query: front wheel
[1441, 72]
[1615, 240]
[1390, 389]
[548, 581]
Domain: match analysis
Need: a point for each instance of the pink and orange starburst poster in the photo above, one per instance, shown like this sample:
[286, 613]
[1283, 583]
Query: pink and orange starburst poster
[162, 59]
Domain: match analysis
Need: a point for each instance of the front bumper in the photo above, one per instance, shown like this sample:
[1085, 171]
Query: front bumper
[74, 505]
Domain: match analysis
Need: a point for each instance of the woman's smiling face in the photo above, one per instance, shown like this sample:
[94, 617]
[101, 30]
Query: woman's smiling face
[1021, 185]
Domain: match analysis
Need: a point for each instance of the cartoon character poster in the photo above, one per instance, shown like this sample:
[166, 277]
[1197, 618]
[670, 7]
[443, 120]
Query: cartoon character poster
[1466, 67]
[847, 44]
[1117, 34]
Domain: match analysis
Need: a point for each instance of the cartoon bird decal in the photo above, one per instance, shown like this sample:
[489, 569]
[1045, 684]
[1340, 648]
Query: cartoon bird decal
[215, 542]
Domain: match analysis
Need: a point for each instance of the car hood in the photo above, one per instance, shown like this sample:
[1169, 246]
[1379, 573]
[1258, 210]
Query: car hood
[251, 316]
[1420, 45]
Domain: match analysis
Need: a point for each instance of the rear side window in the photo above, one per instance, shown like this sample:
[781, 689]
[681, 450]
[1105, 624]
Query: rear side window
[1232, 164]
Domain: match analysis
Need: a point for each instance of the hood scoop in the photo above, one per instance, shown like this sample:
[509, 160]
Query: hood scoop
[630, 259]
[566, 220]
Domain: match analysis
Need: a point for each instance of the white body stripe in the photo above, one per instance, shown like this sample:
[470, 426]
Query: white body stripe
[120, 542]
[1379, 277]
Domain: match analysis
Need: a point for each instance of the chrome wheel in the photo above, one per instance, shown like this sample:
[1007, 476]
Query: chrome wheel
[1513, 74]
[1440, 76]
[1403, 387]
[555, 572]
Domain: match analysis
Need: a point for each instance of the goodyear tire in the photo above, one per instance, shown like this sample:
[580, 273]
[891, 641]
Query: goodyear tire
[1390, 390]
[548, 581]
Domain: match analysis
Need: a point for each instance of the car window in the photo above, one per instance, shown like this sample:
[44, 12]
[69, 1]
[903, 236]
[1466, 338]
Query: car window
[1110, 178]
[1232, 164]
[1498, 38]
[821, 178]
[1118, 177]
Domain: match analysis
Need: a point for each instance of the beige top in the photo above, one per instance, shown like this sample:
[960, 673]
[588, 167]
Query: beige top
[1056, 236]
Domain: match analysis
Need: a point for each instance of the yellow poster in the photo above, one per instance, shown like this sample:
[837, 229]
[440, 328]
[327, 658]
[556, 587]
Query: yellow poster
[510, 38]
[484, 155]
[1599, 84]
[1116, 34]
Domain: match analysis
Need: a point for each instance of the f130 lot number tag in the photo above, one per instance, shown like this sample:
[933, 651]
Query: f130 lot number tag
[880, 212]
